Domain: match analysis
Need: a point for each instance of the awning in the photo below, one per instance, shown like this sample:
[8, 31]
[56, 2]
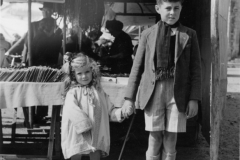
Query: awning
[52, 1]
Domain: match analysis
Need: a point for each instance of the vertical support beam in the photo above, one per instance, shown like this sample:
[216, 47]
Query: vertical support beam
[29, 32]
[31, 109]
[57, 133]
[64, 30]
[233, 29]
[1, 133]
[80, 37]
[125, 7]
[52, 132]
[215, 91]
[219, 71]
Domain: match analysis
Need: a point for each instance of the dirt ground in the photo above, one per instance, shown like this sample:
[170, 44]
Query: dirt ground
[137, 144]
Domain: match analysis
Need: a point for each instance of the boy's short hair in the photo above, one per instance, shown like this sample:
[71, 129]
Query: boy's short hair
[161, 1]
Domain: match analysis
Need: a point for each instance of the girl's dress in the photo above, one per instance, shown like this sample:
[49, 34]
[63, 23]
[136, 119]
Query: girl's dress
[85, 121]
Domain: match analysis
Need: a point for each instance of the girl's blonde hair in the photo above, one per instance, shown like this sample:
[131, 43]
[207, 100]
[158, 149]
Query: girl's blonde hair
[77, 61]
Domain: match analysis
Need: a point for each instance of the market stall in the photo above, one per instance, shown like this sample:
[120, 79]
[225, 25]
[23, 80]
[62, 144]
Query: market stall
[19, 94]
[33, 86]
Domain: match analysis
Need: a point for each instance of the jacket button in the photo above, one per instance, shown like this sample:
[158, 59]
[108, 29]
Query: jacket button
[153, 82]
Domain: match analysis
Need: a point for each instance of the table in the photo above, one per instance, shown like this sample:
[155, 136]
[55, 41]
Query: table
[115, 91]
[20, 94]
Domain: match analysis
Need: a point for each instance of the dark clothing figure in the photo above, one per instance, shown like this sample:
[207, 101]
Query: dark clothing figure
[45, 50]
[121, 54]
[46, 44]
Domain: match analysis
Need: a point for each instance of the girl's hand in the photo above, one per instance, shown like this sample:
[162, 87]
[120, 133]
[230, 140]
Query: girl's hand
[127, 108]
[192, 109]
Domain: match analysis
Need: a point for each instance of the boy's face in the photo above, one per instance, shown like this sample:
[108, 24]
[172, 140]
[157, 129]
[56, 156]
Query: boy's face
[169, 11]
[84, 75]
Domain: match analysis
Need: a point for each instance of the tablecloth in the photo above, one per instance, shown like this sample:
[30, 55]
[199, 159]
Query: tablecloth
[115, 91]
[22, 94]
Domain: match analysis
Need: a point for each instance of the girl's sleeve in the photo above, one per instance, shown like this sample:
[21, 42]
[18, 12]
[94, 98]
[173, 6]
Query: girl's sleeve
[72, 112]
[115, 113]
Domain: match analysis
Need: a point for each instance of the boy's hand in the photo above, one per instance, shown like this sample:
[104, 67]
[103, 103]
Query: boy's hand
[192, 108]
[127, 108]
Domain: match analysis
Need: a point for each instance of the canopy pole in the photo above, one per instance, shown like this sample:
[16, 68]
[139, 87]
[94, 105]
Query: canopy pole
[219, 72]
[31, 109]
[80, 37]
[215, 92]
[29, 33]
[64, 30]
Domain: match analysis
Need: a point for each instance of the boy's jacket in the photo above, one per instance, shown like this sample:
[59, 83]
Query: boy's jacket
[187, 76]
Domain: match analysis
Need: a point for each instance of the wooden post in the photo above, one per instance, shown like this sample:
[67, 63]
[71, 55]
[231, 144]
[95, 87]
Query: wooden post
[80, 37]
[30, 109]
[64, 30]
[233, 29]
[29, 33]
[52, 132]
[219, 71]
[1, 132]
[215, 92]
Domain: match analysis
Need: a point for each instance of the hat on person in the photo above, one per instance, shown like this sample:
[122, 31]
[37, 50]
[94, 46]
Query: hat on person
[114, 24]
[47, 5]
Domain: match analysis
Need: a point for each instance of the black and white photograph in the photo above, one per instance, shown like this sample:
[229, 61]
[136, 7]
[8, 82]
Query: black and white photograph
[119, 79]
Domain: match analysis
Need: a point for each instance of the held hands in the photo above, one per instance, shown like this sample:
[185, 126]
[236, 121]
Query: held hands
[127, 108]
[192, 109]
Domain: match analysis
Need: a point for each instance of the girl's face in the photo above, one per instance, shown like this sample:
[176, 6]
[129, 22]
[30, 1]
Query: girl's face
[84, 75]
[169, 11]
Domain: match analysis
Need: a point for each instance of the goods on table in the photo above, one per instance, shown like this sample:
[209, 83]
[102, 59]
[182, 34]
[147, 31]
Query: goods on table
[31, 74]
[115, 75]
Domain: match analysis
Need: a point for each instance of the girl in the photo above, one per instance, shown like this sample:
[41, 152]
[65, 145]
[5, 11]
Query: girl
[86, 112]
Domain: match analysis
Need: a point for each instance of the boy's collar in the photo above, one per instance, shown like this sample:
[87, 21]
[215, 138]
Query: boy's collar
[179, 28]
[175, 25]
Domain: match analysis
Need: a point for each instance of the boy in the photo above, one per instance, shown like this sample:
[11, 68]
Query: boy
[168, 68]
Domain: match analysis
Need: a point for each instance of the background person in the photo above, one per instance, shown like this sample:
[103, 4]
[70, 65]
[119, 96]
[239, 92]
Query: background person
[119, 58]
[46, 44]
[4, 46]
[46, 47]
[47, 11]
